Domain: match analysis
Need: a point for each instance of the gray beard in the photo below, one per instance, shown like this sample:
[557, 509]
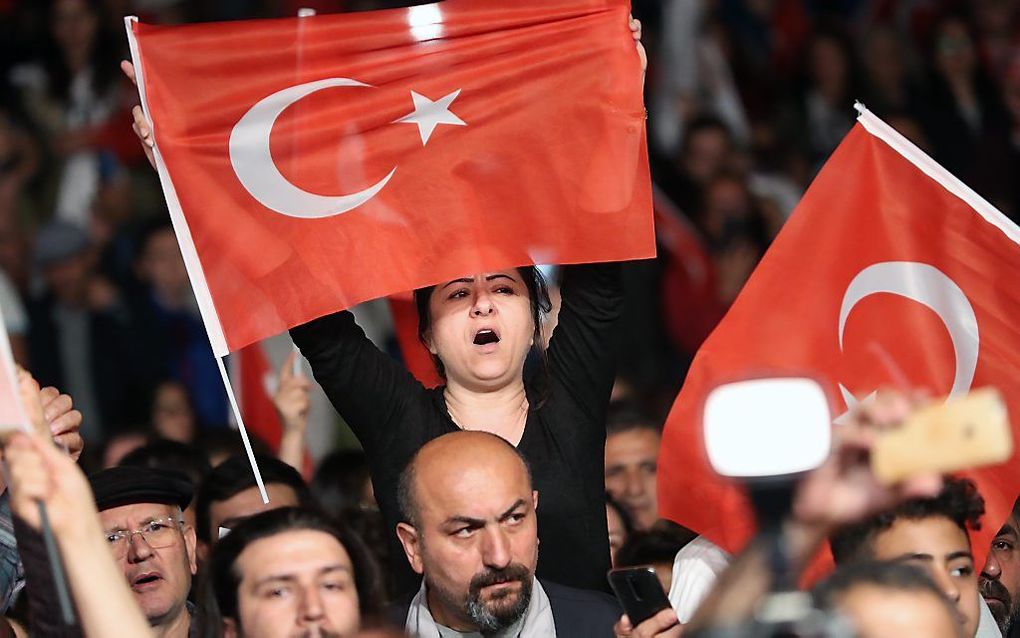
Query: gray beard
[489, 623]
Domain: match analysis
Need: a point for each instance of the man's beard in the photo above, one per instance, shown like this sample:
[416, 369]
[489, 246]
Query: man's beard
[995, 589]
[492, 617]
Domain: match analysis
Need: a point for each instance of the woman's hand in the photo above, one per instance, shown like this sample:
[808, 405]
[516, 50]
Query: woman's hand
[141, 126]
[635, 30]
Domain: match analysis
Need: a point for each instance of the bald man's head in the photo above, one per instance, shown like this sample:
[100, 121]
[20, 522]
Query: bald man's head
[454, 453]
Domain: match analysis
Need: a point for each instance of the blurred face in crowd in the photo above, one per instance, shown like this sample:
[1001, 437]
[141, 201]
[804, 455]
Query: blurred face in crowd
[482, 328]
[706, 153]
[617, 532]
[475, 539]
[1000, 578]
[631, 466]
[937, 545]
[883, 611]
[828, 65]
[158, 565]
[296, 583]
[954, 50]
[68, 279]
[172, 417]
[248, 503]
[74, 28]
[885, 58]
[163, 266]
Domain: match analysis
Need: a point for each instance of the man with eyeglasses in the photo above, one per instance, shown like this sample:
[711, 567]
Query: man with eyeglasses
[140, 510]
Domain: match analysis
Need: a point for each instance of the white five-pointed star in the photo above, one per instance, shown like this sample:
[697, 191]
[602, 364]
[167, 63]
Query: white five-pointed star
[428, 114]
[851, 403]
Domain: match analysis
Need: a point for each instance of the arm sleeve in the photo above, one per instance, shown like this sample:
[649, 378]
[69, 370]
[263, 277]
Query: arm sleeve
[582, 350]
[43, 607]
[369, 389]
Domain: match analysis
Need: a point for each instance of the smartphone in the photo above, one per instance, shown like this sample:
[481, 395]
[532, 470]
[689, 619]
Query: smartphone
[639, 592]
[962, 433]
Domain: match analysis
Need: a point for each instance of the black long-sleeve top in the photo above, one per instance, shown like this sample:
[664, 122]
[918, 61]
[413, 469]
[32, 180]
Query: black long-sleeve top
[564, 437]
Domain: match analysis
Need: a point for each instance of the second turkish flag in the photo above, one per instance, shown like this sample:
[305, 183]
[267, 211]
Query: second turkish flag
[314, 163]
[890, 272]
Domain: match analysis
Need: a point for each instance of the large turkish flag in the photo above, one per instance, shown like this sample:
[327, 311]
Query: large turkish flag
[314, 163]
[890, 272]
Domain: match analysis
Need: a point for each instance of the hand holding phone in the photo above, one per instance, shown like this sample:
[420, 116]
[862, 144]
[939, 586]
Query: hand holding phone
[964, 432]
[639, 592]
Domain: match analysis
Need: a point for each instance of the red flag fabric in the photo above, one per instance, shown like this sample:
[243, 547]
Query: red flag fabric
[254, 380]
[889, 272]
[313, 163]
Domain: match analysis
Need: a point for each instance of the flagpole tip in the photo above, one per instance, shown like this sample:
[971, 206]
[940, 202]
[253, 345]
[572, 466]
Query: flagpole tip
[861, 109]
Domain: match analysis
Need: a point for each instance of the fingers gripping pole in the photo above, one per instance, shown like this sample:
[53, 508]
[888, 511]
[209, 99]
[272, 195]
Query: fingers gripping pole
[241, 428]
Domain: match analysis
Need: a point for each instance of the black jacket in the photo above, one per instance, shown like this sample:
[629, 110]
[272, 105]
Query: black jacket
[577, 613]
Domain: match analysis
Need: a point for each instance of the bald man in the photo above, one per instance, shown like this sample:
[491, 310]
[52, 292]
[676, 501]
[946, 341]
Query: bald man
[470, 530]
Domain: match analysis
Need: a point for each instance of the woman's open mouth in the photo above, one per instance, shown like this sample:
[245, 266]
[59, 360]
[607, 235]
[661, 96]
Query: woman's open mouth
[485, 336]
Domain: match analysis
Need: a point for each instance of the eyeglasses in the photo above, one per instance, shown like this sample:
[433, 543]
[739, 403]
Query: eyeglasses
[157, 533]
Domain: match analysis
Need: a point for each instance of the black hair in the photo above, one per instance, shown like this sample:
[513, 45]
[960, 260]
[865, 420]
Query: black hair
[233, 476]
[164, 454]
[407, 498]
[538, 294]
[621, 511]
[659, 544]
[701, 124]
[221, 579]
[339, 480]
[623, 416]
[959, 501]
[884, 575]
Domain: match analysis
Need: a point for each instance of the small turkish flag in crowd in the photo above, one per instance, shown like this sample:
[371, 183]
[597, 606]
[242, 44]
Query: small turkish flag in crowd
[313, 163]
[891, 272]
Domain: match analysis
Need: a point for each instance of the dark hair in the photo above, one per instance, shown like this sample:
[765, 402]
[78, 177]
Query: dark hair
[164, 454]
[885, 575]
[233, 476]
[704, 123]
[339, 480]
[623, 416]
[538, 294]
[407, 498]
[959, 501]
[657, 545]
[621, 511]
[219, 584]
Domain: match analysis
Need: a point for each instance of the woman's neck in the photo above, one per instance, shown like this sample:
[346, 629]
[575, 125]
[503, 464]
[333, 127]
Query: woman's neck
[502, 412]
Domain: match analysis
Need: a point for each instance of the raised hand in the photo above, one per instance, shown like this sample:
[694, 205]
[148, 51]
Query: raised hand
[63, 421]
[140, 125]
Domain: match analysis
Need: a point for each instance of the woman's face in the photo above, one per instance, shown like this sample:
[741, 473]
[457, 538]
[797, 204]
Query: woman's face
[482, 328]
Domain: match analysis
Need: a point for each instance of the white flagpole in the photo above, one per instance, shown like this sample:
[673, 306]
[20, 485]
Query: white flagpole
[196, 275]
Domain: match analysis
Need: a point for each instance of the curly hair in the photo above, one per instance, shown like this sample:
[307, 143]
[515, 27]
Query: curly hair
[959, 501]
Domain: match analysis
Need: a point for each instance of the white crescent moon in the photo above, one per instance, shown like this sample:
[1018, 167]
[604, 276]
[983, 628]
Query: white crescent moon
[253, 163]
[929, 286]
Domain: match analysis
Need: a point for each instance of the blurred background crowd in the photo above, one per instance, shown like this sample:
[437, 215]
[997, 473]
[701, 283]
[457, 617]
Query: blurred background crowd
[746, 100]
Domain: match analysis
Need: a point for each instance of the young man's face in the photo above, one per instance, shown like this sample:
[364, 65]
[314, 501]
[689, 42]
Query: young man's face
[247, 503]
[296, 583]
[1000, 577]
[937, 545]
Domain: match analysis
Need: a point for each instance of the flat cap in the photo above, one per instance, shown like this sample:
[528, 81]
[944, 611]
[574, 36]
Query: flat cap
[118, 486]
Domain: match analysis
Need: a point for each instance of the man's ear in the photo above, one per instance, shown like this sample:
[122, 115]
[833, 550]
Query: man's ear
[230, 628]
[190, 544]
[534, 499]
[411, 543]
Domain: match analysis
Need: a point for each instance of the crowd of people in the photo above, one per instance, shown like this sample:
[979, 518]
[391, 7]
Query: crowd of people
[495, 503]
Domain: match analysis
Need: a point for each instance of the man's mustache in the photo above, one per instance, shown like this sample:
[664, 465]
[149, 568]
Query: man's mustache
[510, 573]
[995, 589]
